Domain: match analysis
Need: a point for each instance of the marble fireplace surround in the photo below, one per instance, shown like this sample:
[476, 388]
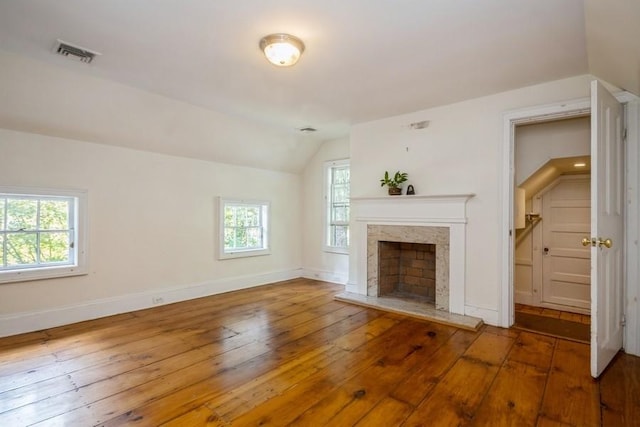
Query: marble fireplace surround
[438, 236]
[444, 216]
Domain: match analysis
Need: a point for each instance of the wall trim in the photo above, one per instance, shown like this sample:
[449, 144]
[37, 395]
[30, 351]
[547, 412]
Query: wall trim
[574, 108]
[632, 225]
[341, 278]
[18, 323]
[351, 287]
[488, 316]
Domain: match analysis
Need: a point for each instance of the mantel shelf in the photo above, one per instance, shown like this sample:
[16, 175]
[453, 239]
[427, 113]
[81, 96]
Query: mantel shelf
[423, 198]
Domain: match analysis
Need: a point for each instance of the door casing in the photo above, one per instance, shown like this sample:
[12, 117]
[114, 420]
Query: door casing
[564, 110]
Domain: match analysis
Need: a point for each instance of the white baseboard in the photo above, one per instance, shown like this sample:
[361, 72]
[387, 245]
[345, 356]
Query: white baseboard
[18, 323]
[488, 316]
[351, 287]
[340, 278]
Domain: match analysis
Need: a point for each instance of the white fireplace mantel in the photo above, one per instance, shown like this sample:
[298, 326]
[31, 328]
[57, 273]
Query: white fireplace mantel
[448, 210]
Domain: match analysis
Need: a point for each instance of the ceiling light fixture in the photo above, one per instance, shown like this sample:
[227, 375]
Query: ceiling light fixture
[579, 165]
[282, 49]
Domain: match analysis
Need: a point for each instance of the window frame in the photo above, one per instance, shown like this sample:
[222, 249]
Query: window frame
[327, 189]
[79, 264]
[265, 215]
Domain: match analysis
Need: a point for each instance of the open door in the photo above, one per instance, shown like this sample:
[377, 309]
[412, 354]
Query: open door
[607, 204]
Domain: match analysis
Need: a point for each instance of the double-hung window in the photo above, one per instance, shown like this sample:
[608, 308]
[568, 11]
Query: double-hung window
[244, 228]
[41, 233]
[337, 208]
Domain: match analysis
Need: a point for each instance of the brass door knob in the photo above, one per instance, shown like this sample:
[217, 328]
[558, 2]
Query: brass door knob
[588, 242]
[606, 243]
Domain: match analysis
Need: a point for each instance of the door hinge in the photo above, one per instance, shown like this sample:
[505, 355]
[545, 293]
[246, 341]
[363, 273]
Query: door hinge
[623, 321]
[624, 134]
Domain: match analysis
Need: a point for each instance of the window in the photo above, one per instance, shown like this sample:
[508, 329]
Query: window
[41, 234]
[244, 228]
[337, 179]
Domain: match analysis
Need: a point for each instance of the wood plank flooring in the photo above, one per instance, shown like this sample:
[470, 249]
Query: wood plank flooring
[288, 354]
[555, 314]
[559, 324]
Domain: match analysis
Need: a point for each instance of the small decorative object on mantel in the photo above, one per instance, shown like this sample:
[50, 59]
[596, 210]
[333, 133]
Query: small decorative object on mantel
[410, 190]
[395, 183]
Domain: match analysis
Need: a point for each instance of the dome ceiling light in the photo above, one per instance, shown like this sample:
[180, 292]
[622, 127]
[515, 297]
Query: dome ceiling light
[282, 49]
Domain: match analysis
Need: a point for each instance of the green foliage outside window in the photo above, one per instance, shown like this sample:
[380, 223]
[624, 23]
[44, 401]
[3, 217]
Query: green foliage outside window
[34, 231]
[339, 208]
[243, 227]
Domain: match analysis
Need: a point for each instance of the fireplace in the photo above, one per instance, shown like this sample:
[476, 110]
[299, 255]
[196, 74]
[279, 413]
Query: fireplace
[437, 224]
[435, 239]
[407, 270]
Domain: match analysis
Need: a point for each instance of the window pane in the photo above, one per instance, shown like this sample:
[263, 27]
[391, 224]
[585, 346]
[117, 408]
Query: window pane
[229, 234]
[2, 202]
[241, 238]
[340, 214]
[229, 217]
[254, 237]
[244, 229]
[21, 214]
[241, 216]
[21, 248]
[338, 210]
[340, 175]
[340, 235]
[54, 247]
[341, 193]
[253, 217]
[54, 215]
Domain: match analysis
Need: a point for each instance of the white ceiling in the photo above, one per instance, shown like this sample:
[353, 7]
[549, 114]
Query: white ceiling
[364, 59]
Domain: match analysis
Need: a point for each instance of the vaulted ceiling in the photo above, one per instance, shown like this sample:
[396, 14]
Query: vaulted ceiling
[364, 59]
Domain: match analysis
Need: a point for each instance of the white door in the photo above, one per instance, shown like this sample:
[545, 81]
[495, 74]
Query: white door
[606, 227]
[566, 264]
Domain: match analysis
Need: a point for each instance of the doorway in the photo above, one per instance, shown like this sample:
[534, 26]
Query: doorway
[609, 131]
[552, 277]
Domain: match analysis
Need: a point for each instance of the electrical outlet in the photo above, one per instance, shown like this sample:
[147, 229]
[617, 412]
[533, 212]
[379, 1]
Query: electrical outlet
[157, 300]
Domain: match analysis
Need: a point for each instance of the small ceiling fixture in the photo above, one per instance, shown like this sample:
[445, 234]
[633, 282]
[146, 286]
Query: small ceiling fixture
[282, 49]
[307, 129]
[419, 125]
[579, 165]
[74, 52]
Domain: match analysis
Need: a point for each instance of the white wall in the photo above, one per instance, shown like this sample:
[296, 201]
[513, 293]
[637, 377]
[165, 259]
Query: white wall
[152, 228]
[536, 144]
[70, 102]
[317, 263]
[459, 152]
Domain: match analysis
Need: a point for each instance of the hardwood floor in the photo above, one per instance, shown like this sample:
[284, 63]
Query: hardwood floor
[558, 324]
[556, 314]
[288, 354]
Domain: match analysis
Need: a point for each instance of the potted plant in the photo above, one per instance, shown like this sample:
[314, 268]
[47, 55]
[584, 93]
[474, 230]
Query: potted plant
[395, 183]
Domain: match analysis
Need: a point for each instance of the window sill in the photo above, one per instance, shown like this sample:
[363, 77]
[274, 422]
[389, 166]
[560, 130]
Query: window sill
[334, 250]
[43, 273]
[244, 254]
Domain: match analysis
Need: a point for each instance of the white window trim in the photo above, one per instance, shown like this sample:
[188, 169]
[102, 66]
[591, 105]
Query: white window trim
[80, 265]
[222, 255]
[327, 206]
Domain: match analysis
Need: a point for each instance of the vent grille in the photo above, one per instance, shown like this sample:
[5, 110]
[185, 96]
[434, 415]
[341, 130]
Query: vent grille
[74, 52]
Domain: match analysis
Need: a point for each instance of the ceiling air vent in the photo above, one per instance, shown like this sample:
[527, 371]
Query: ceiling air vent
[74, 52]
[307, 129]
